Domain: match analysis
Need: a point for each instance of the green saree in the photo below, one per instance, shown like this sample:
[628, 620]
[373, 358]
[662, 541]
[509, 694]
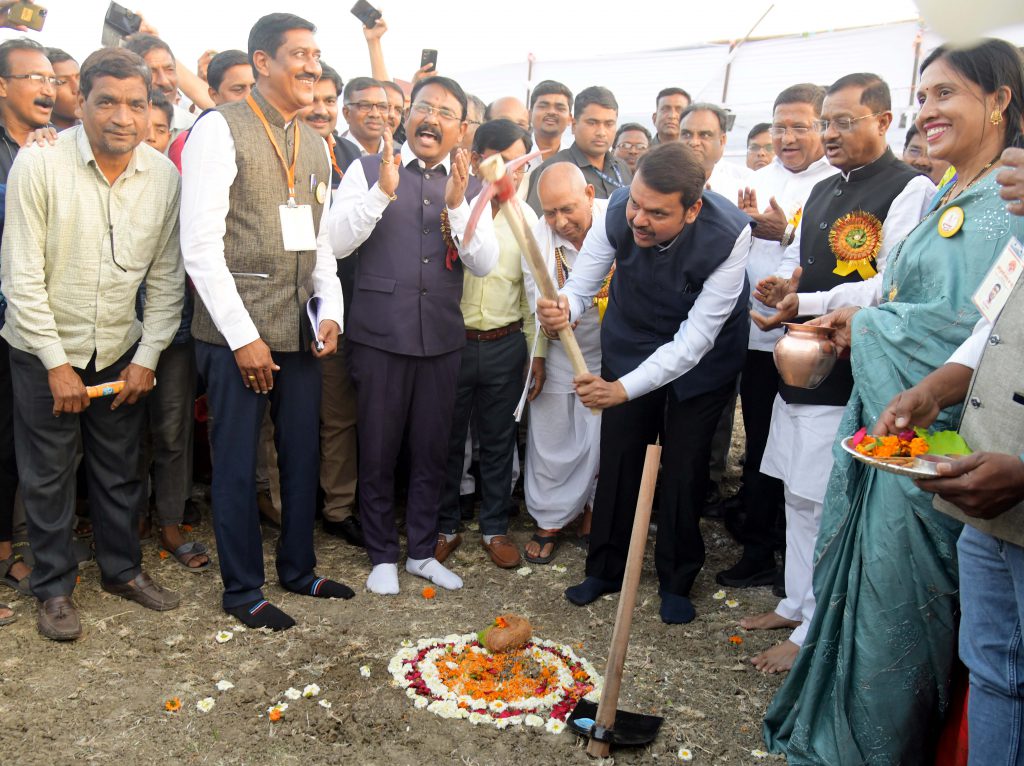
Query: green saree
[870, 685]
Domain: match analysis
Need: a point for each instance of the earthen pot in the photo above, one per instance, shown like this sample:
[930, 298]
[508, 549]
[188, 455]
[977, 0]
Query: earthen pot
[805, 355]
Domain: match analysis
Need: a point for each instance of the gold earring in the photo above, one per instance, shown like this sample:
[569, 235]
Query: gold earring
[996, 117]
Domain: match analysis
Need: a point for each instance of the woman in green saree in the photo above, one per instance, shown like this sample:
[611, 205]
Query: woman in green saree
[870, 685]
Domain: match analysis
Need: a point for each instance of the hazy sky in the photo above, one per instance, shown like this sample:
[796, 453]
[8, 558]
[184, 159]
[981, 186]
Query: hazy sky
[469, 35]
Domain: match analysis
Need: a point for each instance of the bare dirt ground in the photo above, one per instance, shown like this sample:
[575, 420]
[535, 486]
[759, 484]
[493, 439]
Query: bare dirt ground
[102, 698]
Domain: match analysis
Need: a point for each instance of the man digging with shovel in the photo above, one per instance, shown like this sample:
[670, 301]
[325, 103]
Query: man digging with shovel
[673, 341]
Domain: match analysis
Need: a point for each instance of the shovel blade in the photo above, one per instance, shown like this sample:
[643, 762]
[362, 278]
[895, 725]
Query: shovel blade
[630, 730]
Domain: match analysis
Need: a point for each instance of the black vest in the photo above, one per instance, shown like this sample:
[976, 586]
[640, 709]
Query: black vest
[652, 292]
[405, 301]
[870, 189]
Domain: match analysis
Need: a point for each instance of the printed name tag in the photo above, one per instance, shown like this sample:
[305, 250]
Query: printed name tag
[297, 228]
[999, 282]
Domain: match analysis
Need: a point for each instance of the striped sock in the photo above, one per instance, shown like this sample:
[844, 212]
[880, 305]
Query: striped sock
[261, 614]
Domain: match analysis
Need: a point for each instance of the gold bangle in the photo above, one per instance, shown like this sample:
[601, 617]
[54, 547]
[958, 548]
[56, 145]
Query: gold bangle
[391, 197]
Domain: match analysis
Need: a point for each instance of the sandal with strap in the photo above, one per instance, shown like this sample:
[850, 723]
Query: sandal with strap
[6, 578]
[541, 540]
[8, 620]
[185, 552]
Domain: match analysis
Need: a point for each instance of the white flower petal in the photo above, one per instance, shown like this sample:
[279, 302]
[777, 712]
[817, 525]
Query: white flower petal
[311, 690]
[224, 636]
[223, 685]
[364, 671]
[324, 704]
[205, 705]
[292, 693]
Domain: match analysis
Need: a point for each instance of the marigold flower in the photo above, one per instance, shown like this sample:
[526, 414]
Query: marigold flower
[173, 705]
[275, 714]
[428, 592]
[163, 554]
[735, 640]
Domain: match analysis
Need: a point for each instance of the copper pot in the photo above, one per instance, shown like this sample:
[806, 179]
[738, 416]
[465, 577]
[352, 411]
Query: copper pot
[805, 355]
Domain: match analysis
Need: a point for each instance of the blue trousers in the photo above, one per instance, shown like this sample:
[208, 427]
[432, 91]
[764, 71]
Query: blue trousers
[992, 605]
[236, 415]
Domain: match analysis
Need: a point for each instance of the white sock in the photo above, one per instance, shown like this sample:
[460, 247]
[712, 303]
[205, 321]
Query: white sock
[432, 569]
[383, 580]
[488, 538]
[449, 538]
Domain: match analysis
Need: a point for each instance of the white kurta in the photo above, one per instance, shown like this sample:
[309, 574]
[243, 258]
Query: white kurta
[563, 441]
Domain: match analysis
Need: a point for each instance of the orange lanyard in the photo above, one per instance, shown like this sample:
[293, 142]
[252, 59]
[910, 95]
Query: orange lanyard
[334, 161]
[288, 171]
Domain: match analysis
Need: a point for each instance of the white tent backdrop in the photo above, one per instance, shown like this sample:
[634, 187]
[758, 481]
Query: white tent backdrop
[758, 71]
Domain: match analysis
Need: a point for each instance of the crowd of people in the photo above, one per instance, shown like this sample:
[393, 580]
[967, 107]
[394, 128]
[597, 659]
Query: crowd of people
[380, 331]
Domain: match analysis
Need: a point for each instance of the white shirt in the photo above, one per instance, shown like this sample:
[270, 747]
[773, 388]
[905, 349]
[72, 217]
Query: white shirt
[347, 135]
[208, 168]
[558, 368]
[357, 208]
[791, 191]
[697, 333]
[905, 213]
[969, 352]
[728, 179]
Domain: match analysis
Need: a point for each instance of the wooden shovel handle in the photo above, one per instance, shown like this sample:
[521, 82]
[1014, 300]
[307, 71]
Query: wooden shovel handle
[627, 601]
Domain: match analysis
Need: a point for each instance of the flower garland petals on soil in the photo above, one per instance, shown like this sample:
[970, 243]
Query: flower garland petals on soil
[456, 677]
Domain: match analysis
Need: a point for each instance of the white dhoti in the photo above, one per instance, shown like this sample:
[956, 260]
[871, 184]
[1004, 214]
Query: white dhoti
[562, 452]
[799, 451]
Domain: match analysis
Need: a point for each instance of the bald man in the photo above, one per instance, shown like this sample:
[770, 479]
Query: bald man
[562, 444]
[509, 108]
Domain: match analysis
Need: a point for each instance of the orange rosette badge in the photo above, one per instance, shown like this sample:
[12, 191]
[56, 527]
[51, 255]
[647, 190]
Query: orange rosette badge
[855, 240]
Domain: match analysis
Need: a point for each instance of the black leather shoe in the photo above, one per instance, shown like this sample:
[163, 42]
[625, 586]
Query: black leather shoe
[748, 572]
[349, 529]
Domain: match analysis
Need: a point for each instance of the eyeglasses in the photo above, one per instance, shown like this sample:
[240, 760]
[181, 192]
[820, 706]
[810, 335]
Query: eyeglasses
[36, 79]
[798, 131]
[631, 147]
[914, 151]
[421, 107]
[365, 107]
[756, 148]
[842, 124]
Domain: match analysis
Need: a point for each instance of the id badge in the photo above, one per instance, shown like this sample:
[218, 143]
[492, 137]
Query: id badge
[297, 228]
[997, 285]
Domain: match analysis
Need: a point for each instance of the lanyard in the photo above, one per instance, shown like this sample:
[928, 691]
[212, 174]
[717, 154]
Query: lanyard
[614, 182]
[288, 171]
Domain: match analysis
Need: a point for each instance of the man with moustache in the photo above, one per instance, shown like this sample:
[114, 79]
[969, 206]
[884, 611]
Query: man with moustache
[672, 344]
[88, 219]
[161, 62]
[775, 201]
[595, 113]
[366, 111]
[407, 215]
[27, 95]
[550, 114]
[562, 443]
[668, 110]
[880, 194]
[703, 128]
[66, 102]
[254, 240]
